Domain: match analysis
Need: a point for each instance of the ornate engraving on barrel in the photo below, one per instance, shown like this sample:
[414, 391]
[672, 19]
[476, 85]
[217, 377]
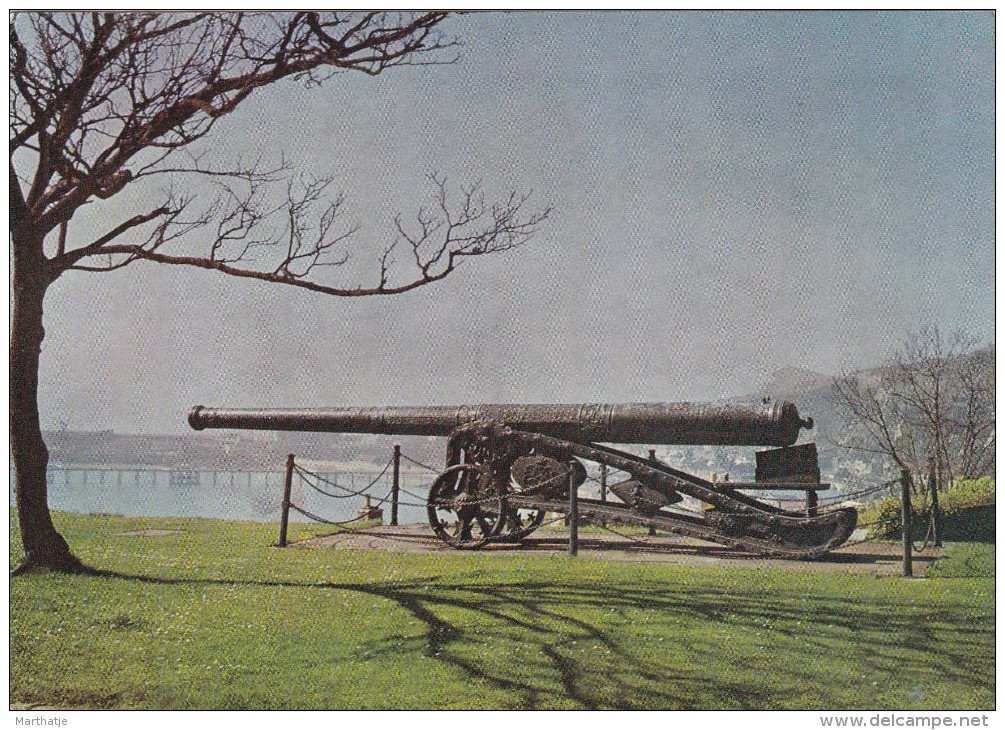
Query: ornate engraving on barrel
[593, 418]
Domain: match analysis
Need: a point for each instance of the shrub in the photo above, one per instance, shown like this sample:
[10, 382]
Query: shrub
[883, 517]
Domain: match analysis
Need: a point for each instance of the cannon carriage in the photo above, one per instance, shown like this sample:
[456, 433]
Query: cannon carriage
[508, 465]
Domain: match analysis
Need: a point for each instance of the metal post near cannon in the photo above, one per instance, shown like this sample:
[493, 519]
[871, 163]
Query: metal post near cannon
[933, 489]
[652, 460]
[905, 519]
[573, 513]
[284, 519]
[603, 490]
[395, 484]
[811, 503]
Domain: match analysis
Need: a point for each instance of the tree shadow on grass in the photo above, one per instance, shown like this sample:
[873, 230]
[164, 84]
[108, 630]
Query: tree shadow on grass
[654, 647]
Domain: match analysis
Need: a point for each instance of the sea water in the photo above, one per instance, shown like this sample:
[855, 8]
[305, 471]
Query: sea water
[234, 495]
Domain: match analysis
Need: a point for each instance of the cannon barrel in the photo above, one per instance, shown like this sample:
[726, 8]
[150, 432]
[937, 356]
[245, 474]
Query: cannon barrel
[686, 424]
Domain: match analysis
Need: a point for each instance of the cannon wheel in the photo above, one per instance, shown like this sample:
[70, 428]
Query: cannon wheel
[520, 522]
[465, 508]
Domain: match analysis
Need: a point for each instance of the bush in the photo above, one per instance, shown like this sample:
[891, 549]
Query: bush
[883, 517]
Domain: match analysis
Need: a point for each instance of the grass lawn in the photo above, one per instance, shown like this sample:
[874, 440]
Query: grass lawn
[216, 618]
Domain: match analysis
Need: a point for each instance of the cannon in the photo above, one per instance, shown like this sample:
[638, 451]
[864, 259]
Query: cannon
[508, 465]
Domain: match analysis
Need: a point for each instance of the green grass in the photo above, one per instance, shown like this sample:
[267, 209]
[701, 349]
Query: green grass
[216, 618]
[965, 560]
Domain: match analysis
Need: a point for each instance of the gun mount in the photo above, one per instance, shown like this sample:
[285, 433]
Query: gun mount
[507, 465]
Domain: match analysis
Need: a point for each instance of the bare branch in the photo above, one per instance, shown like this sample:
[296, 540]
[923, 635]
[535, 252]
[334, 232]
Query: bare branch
[466, 228]
[314, 232]
[94, 91]
[104, 102]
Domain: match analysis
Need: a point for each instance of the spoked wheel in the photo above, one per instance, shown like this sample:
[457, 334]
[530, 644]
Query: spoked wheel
[520, 522]
[465, 508]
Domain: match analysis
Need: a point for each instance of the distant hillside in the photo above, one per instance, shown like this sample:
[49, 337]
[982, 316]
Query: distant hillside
[792, 383]
[810, 391]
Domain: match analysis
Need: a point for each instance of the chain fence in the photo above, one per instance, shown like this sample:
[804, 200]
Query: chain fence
[313, 481]
[327, 488]
[331, 489]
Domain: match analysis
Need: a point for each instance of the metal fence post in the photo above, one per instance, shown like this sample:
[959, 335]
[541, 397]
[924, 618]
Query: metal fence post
[284, 519]
[933, 488]
[573, 513]
[603, 490]
[905, 519]
[652, 460]
[811, 503]
[395, 483]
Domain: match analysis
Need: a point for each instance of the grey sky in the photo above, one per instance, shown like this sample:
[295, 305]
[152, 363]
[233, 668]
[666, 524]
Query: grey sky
[734, 193]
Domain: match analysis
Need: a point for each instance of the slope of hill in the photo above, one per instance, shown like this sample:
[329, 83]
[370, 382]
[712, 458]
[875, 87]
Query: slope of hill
[810, 391]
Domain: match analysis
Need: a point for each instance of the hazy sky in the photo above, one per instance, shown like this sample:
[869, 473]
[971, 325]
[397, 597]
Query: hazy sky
[734, 193]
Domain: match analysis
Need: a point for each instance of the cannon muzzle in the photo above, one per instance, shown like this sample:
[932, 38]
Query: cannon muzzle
[686, 424]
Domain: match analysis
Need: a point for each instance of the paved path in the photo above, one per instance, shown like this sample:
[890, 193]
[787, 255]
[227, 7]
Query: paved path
[865, 558]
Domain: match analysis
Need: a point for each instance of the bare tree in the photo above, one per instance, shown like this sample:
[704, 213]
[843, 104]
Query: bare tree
[102, 103]
[935, 399]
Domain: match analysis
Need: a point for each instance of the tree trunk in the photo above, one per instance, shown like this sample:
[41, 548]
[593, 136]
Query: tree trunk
[44, 547]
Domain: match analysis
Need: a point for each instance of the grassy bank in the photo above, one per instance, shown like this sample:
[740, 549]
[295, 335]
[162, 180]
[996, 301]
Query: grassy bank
[967, 509]
[214, 618]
